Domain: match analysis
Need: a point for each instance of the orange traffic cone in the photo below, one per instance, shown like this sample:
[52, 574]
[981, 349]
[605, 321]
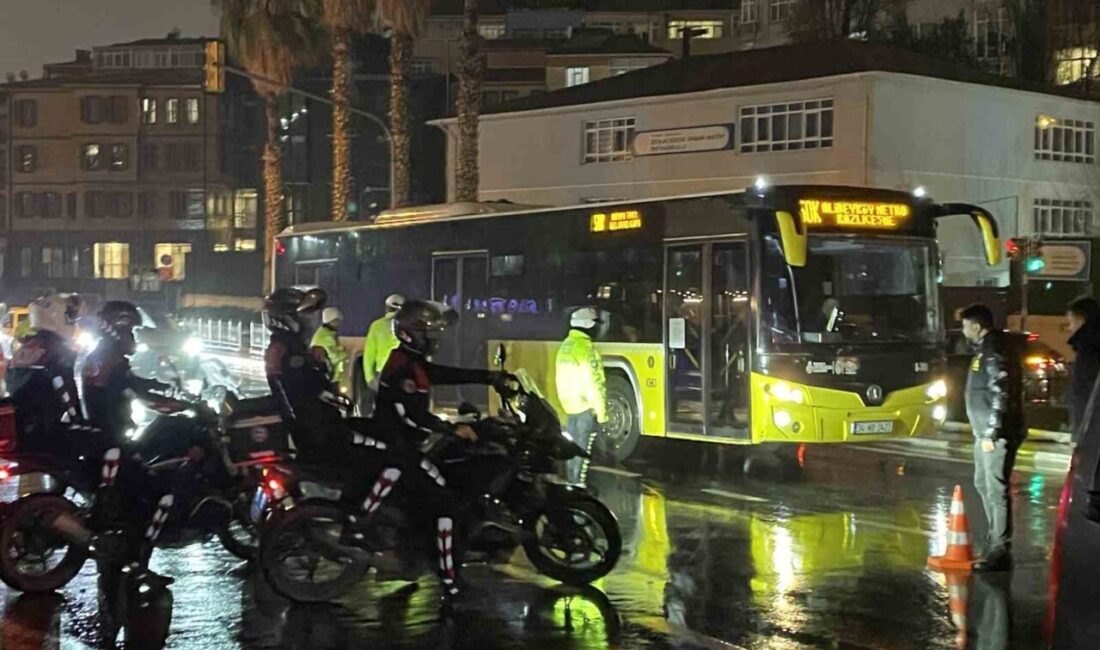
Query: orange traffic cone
[960, 553]
[958, 596]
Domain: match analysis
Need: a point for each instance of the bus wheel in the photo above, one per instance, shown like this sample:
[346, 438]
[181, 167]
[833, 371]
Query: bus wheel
[623, 428]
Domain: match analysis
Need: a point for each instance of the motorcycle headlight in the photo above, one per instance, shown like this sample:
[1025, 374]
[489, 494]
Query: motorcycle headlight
[193, 346]
[193, 386]
[141, 347]
[936, 390]
[138, 411]
[86, 340]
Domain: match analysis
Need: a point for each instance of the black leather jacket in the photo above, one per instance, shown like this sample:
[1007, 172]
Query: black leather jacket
[994, 401]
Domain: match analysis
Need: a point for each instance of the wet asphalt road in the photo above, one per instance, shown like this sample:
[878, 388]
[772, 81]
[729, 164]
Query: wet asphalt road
[722, 550]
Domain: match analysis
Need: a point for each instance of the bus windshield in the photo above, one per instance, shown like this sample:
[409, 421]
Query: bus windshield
[851, 290]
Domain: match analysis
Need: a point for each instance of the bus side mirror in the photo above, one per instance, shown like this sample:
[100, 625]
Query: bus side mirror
[794, 242]
[990, 242]
[500, 356]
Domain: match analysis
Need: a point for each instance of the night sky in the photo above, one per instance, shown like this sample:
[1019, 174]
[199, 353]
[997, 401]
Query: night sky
[33, 32]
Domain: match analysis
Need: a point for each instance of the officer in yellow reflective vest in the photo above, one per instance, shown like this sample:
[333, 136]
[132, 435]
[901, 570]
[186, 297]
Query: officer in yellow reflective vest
[326, 348]
[582, 387]
[380, 341]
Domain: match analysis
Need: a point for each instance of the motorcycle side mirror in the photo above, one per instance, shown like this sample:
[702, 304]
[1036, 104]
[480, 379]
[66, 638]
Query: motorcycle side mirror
[501, 356]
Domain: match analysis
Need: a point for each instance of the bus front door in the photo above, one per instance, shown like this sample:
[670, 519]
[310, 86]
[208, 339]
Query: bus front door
[706, 338]
[460, 280]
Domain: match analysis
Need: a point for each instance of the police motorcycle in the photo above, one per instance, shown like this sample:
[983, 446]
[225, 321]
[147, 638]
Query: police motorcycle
[315, 547]
[210, 448]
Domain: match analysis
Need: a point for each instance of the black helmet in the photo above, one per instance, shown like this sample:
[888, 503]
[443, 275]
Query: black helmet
[418, 322]
[119, 318]
[284, 307]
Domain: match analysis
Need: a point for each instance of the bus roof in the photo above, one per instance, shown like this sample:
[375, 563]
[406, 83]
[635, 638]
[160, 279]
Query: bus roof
[471, 210]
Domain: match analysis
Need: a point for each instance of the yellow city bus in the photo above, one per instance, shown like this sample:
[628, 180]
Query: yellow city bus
[777, 314]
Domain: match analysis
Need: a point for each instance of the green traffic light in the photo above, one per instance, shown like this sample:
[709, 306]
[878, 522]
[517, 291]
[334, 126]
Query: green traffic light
[1035, 264]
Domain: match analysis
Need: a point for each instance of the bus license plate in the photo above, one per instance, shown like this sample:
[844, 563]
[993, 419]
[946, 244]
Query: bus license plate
[864, 428]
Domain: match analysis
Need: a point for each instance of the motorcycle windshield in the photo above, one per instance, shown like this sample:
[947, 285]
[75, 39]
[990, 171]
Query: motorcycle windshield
[528, 384]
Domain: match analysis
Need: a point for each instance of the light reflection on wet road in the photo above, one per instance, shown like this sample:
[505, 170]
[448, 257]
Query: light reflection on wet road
[827, 555]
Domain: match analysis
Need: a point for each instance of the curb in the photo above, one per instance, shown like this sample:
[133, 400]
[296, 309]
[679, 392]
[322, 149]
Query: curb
[1045, 435]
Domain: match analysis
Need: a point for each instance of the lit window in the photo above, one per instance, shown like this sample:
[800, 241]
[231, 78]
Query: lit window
[172, 111]
[1058, 218]
[245, 203]
[748, 12]
[491, 30]
[192, 110]
[608, 140]
[1064, 140]
[91, 158]
[576, 76]
[787, 127]
[111, 260]
[780, 10]
[149, 110]
[1075, 64]
[244, 244]
[53, 261]
[701, 28]
[171, 261]
[26, 158]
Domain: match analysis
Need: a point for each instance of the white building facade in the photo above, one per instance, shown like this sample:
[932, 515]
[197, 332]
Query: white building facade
[1029, 157]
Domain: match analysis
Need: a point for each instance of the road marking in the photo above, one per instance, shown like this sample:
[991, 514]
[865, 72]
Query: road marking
[898, 529]
[1038, 466]
[613, 470]
[733, 495]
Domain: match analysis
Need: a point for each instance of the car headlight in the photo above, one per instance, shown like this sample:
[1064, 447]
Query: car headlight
[784, 392]
[936, 390]
[193, 346]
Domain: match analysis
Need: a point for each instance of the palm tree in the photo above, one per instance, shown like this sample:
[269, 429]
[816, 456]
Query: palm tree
[268, 38]
[404, 18]
[344, 19]
[467, 176]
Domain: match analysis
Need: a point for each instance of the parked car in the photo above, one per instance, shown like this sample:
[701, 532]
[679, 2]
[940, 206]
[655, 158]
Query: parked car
[1045, 374]
[1072, 622]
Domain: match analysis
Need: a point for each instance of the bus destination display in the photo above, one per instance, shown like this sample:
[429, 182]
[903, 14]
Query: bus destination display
[601, 222]
[854, 214]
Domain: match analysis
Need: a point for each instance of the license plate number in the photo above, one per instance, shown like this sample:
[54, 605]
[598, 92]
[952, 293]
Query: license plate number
[864, 428]
[259, 504]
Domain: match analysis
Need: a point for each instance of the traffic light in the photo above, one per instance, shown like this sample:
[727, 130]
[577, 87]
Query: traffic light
[1035, 261]
[214, 67]
[1014, 248]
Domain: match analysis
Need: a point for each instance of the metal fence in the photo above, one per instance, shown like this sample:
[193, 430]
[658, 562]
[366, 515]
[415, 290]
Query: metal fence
[230, 335]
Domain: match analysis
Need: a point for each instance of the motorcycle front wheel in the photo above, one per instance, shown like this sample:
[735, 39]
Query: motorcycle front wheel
[300, 554]
[577, 547]
[34, 557]
[240, 535]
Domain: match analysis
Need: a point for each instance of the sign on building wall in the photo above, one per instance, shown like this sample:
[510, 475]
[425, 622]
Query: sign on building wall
[686, 140]
[1065, 260]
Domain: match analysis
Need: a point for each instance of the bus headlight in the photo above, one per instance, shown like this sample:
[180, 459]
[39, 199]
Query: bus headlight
[781, 418]
[193, 346]
[936, 390]
[939, 413]
[784, 392]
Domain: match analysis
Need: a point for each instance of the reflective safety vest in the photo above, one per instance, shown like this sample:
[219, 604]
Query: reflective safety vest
[580, 377]
[326, 339]
[376, 349]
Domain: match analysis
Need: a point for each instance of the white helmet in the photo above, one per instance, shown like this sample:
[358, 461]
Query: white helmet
[57, 313]
[395, 301]
[584, 318]
[330, 315]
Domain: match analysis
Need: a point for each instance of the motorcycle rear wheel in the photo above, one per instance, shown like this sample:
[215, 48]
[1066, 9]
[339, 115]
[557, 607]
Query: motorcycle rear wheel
[588, 550]
[289, 547]
[27, 539]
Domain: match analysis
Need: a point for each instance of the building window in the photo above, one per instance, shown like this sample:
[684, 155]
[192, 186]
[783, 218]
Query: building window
[95, 204]
[787, 127]
[53, 261]
[423, 66]
[26, 112]
[1075, 64]
[120, 204]
[172, 111]
[3, 165]
[576, 76]
[1064, 140]
[491, 31]
[26, 158]
[701, 28]
[989, 37]
[608, 140]
[26, 261]
[245, 204]
[780, 10]
[147, 204]
[186, 204]
[1058, 218]
[91, 109]
[171, 261]
[748, 12]
[148, 110]
[191, 110]
[50, 205]
[147, 158]
[76, 269]
[111, 260]
[91, 157]
[183, 157]
[70, 205]
[120, 157]
[119, 109]
[244, 244]
[25, 205]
